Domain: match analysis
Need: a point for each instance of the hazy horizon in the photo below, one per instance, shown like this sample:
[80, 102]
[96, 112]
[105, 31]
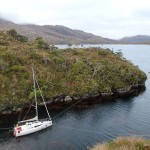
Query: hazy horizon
[107, 18]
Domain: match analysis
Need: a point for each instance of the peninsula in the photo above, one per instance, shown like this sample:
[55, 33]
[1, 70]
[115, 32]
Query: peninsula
[64, 75]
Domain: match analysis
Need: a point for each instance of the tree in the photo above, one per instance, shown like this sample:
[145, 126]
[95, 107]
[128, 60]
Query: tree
[22, 38]
[53, 47]
[12, 32]
[17, 36]
[41, 44]
[69, 45]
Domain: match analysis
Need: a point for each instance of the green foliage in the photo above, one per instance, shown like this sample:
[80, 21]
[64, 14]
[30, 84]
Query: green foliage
[103, 52]
[58, 59]
[3, 64]
[21, 38]
[53, 47]
[17, 36]
[18, 68]
[67, 72]
[4, 43]
[78, 67]
[12, 32]
[77, 51]
[31, 95]
[41, 44]
[119, 53]
[54, 53]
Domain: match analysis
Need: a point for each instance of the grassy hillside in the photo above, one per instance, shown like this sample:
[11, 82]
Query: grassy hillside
[67, 72]
[55, 34]
[124, 143]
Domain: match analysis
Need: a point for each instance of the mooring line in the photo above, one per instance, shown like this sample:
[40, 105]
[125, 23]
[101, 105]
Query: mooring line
[66, 109]
[7, 148]
[6, 128]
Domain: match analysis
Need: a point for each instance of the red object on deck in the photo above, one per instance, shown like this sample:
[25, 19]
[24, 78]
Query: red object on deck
[19, 129]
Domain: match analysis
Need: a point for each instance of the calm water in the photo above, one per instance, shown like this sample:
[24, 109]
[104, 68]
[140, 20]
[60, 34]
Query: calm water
[78, 129]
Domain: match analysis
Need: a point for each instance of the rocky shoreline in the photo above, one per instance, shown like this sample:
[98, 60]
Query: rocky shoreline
[81, 101]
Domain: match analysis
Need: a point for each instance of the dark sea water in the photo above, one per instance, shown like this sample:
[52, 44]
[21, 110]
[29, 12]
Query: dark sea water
[78, 129]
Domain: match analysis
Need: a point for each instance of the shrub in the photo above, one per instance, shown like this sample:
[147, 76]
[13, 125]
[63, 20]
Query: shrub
[13, 33]
[41, 44]
[78, 67]
[18, 68]
[31, 95]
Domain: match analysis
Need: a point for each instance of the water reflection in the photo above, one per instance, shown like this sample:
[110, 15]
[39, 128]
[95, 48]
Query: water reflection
[77, 129]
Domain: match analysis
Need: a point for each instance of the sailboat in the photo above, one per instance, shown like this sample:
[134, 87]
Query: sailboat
[32, 125]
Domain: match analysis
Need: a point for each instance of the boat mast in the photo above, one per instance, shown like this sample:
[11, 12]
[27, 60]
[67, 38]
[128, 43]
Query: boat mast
[35, 93]
[42, 98]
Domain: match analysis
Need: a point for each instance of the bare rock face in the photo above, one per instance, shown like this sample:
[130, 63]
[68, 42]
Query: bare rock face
[67, 99]
[8, 112]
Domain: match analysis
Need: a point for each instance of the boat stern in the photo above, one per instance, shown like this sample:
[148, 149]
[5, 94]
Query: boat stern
[17, 131]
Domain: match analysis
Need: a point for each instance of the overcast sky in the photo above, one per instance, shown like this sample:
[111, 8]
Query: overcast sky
[107, 18]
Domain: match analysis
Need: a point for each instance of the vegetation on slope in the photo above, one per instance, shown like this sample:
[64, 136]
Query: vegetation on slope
[55, 34]
[59, 72]
[124, 143]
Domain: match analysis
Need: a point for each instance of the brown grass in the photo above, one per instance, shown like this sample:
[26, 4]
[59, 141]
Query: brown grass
[124, 143]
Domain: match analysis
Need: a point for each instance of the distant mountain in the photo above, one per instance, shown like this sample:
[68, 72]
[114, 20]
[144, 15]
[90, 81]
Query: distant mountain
[55, 34]
[138, 39]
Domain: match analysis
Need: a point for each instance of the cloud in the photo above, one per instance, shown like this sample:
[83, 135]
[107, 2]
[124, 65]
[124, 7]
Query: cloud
[108, 18]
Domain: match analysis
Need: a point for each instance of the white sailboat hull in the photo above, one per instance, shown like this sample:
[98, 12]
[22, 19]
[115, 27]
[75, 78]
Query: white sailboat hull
[31, 127]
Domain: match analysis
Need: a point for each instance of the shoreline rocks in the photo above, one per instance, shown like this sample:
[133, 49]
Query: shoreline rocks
[85, 100]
